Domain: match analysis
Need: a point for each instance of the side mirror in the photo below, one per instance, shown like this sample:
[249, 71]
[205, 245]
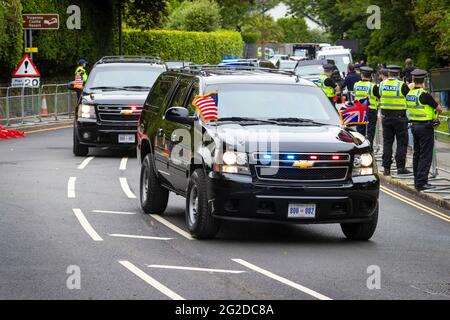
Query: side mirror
[179, 115]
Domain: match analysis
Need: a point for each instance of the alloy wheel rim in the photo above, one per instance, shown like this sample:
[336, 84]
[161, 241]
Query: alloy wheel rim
[193, 205]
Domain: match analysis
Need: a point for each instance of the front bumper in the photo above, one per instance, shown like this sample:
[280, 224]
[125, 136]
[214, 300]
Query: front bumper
[94, 134]
[238, 197]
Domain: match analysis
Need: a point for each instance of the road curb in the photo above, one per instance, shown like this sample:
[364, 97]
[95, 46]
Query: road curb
[425, 196]
[43, 126]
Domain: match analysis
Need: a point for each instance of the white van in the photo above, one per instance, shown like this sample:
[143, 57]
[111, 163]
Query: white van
[341, 56]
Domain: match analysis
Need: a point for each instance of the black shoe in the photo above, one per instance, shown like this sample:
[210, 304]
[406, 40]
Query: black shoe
[403, 171]
[387, 172]
[425, 187]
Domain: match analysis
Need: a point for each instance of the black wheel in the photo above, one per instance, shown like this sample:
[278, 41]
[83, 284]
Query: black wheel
[360, 231]
[201, 224]
[78, 149]
[154, 196]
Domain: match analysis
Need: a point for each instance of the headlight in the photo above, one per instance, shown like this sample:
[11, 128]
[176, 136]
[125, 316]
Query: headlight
[233, 162]
[86, 111]
[363, 165]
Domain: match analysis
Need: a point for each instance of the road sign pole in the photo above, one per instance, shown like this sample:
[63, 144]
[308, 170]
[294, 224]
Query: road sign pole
[31, 43]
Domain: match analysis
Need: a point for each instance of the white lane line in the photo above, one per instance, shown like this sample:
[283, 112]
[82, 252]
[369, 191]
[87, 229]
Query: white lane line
[71, 188]
[137, 237]
[123, 164]
[155, 284]
[85, 163]
[172, 226]
[126, 188]
[86, 225]
[194, 269]
[282, 280]
[113, 212]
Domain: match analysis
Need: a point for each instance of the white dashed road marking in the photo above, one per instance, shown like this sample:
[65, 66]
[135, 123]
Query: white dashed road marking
[86, 225]
[126, 188]
[155, 284]
[282, 280]
[137, 237]
[194, 269]
[85, 163]
[71, 188]
[172, 226]
[113, 212]
[123, 164]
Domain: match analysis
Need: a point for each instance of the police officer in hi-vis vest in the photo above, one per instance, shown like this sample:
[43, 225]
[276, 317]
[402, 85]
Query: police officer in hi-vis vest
[328, 85]
[367, 89]
[422, 113]
[393, 93]
[80, 72]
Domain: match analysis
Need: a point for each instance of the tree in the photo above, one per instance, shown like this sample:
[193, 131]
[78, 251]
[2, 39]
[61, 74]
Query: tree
[10, 33]
[294, 30]
[273, 33]
[144, 14]
[197, 15]
[234, 12]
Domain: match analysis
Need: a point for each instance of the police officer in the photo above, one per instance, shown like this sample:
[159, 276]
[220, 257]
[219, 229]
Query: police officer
[328, 85]
[80, 71]
[393, 93]
[422, 112]
[366, 89]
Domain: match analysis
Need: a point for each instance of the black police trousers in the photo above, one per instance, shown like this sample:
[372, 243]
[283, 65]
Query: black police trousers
[423, 134]
[395, 128]
[369, 129]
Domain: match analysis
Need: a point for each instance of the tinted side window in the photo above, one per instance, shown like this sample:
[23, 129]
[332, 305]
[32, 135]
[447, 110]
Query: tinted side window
[158, 93]
[180, 94]
[189, 106]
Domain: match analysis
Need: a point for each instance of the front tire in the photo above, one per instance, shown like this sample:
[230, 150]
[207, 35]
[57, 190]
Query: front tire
[79, 150]
[361, 231]
[200, 222]
[154, 196]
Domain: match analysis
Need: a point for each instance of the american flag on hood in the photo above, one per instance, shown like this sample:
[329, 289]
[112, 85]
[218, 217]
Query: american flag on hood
[355, 112]
[207, 106]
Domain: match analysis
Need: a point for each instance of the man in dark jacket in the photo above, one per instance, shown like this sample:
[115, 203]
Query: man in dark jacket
[406, 73]
[351, 78]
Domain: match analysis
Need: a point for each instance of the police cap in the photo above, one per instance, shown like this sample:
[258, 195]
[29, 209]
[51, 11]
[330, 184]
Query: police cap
[328, 66]
[357, 66]
[384, 71]
[81, 62]
[366, 70]
[394, 68]
[419, 73]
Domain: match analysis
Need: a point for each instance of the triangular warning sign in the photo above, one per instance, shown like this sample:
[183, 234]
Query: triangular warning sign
[26, 68]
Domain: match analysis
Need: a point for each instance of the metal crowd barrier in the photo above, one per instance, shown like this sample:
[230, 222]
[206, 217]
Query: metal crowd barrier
[18, 104]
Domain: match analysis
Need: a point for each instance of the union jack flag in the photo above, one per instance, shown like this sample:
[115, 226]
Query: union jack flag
[207, 106]
[78, 84]
[355, 112]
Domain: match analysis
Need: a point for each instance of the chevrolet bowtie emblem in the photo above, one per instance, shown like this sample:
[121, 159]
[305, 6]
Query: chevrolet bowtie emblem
[126, 112]
[302, 164]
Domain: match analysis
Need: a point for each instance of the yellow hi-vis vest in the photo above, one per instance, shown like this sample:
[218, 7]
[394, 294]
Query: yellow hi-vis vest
[364, 89]
[416, 110]
[329, 91]
[391, 97]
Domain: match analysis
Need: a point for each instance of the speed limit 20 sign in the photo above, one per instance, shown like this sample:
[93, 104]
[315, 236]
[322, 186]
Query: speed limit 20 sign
[26, 82]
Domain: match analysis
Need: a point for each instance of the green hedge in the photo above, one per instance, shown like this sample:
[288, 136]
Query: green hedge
[197, 47]
[10, 34]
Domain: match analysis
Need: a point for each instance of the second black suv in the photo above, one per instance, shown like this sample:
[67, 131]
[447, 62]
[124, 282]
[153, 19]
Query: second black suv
[112, 100]
[276, 153]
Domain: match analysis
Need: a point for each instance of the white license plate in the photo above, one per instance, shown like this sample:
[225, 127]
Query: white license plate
[302, 210]
[127, 138]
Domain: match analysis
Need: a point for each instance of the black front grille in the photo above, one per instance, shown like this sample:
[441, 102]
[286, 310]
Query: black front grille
[298, 174]
[119, 113]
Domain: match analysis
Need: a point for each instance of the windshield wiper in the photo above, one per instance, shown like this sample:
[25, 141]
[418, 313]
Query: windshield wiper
[106, 88]
[245, 119]
[137, 88]
[298, 120]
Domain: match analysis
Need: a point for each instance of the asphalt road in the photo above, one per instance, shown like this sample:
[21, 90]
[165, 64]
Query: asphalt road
[57, 211]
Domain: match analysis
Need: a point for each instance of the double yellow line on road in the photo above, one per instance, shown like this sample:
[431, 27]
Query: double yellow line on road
[415, 204]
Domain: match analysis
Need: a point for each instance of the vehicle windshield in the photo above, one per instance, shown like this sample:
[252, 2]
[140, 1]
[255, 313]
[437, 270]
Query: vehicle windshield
[287, 64]
[341, 61]
[309, 70]
[129, 77]
[272, 101]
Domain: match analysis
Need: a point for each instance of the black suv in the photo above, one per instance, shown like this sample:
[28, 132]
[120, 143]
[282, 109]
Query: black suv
[277, 153]
[112, 100]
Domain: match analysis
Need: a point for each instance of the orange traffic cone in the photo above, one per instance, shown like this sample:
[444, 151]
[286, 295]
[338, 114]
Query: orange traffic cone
[44, 110]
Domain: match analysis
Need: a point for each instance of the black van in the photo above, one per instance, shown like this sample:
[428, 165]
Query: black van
[277, 153]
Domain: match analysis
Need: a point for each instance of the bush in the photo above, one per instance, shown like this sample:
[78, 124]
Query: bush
[11, 39]
[250, 37]
[197, 15]
[198, 47]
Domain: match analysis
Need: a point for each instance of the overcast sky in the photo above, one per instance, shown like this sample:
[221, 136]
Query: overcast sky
[281, 11]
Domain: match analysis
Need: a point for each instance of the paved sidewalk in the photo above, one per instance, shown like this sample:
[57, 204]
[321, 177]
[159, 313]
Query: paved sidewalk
[44, 123]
